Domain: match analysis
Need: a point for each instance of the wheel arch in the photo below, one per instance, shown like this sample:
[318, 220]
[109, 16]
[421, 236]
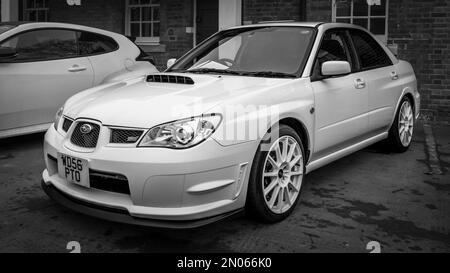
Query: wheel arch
[301, 130]
[407, 92]
[411, 98]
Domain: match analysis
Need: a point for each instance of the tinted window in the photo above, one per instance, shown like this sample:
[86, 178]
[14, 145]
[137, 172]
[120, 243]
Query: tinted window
[332, 48]
[91, 43]
[41, 45]
[369, 52]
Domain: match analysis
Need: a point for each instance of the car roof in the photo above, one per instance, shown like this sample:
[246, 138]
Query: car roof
[280, 24]
[298, 24]
[30, 25]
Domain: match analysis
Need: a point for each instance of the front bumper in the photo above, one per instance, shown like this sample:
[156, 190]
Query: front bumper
[122, 216]
[168, 188]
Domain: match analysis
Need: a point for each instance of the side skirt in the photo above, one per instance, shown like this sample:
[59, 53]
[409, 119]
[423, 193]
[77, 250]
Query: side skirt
[314, 165]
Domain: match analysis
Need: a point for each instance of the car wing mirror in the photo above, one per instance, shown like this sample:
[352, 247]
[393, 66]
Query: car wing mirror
[7, 53]
[171, 62]
[335, 68]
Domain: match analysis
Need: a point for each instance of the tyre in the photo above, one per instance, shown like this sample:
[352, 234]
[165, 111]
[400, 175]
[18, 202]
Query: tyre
[402, 131]
[276, 177]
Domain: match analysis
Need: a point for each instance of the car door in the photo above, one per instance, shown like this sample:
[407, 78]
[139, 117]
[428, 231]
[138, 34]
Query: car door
[340, 102]
[46, 71]
[381, 77]
[103, 53]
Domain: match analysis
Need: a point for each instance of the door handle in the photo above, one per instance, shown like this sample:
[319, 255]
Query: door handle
[77, 68]
[360, 84]
[394, 75]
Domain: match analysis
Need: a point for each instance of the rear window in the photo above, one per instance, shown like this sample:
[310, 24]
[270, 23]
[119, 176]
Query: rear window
[93, 44]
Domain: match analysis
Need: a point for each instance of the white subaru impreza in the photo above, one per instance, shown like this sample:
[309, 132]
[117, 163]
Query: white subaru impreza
[234, 124]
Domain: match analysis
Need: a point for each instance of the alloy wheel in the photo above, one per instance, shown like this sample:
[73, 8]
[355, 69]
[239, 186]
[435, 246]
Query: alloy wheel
[283, 174]
[406, 124]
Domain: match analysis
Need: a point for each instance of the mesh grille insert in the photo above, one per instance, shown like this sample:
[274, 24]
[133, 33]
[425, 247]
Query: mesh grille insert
[120, 136]
[85, 140]
[109, 182]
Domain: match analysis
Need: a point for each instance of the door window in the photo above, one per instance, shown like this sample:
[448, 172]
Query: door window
[333, 48]
[43, 45]
[93, 44]
[370, 53]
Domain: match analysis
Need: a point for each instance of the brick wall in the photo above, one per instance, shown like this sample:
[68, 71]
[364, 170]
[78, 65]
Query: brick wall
[176, 15]
[109, 15]
[421, 30]
[254, 11]
[318, 10]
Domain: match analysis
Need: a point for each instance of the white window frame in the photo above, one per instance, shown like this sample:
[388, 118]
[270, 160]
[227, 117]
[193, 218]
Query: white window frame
[27, 9]
[141, 40]
[382, 38]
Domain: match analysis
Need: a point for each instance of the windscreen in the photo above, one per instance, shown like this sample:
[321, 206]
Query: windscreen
[266, 49]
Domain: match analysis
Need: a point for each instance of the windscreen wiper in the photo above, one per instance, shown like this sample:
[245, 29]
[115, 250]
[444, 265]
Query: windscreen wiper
[213, 71]
[269, 74]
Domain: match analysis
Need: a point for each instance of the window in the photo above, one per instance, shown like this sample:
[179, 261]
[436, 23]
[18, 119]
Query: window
[370, 14]
[264, 50]
[92, 44]
[143, 20]
[35, 10]
[369, 52]
[42, 45]
[333, 48]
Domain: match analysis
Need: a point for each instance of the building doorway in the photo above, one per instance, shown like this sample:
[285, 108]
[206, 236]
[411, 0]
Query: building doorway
[207, 19]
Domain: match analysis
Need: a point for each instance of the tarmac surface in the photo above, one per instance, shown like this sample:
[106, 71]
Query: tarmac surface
[401, 201]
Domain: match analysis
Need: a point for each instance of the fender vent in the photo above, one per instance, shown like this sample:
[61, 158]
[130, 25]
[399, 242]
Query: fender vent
[170, 79]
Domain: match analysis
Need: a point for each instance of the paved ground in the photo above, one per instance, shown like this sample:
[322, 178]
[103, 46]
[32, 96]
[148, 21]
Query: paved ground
[399, 200]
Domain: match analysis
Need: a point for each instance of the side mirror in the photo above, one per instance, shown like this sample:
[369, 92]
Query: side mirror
[7, 52]
[171, 62]
[335, 68]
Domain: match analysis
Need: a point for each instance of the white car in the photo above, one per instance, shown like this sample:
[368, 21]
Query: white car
[235, 124]
[43, 64]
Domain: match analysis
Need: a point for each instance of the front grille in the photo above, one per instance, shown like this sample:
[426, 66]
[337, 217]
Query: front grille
[120, 136]
[170, 79]
[109, 182]
[66, 124]
[85, 140]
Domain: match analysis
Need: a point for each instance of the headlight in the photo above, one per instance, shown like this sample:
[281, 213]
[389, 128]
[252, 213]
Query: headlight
[182, 134]
[58, 116]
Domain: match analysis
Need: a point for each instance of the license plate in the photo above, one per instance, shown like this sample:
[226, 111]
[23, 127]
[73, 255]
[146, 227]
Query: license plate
[74, 170]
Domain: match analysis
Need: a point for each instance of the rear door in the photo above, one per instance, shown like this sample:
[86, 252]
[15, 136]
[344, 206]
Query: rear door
[341, 102]
[382, 80]
[45, 73]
